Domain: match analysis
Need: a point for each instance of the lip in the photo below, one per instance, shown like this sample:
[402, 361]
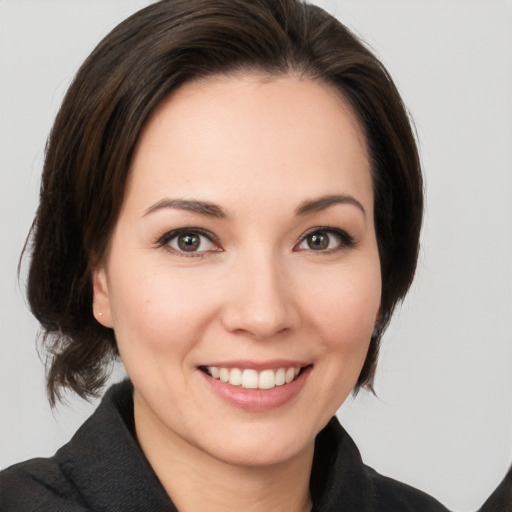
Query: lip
[258, 400]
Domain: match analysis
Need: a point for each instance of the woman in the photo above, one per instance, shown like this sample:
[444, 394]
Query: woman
[231, 202]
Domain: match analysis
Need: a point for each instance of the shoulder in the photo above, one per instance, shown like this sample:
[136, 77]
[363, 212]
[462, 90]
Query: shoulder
[501, 499]
[61, 482]
[100, 468]
[396, 496]
[341, 480]
[38, 485]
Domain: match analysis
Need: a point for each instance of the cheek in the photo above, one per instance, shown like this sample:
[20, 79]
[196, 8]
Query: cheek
[347, 305]
[342, 316]
[156, 310]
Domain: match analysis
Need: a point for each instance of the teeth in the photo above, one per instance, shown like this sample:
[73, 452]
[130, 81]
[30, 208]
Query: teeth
[251, 379]
[235, 377]
[280, 377]
[224, 374]
[267, 379]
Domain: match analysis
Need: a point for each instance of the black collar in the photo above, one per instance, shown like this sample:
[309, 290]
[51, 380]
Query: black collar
[106, 467]
[106, 464]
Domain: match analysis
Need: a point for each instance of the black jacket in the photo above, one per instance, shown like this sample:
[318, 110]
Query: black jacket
[501, 499]
[102, 468]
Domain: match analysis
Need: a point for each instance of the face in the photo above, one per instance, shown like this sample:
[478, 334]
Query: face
[243, 279]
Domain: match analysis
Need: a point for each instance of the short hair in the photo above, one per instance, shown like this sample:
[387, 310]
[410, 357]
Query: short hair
[130, 72]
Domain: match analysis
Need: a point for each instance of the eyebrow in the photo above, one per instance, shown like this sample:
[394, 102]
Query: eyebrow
[324, 202]
[209, 209]
[190, 205]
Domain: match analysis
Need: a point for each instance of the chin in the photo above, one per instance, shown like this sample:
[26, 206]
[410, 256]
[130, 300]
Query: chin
[263, 452]
[262, 444]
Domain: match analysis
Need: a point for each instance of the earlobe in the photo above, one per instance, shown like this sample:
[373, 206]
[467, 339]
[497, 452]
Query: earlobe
[101, 299]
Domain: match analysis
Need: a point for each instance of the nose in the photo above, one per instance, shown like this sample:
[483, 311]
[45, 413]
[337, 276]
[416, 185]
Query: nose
[261, 299]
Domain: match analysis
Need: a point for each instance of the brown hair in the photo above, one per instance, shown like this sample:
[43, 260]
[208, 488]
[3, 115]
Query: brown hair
[112, 96]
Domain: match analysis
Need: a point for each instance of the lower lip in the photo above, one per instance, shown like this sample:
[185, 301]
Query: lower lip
[258, 400]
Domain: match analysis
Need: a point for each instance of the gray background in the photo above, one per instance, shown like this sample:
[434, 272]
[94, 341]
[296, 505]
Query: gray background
[443, 417]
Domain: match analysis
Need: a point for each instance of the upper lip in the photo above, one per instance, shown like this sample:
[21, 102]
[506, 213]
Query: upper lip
[273, 364]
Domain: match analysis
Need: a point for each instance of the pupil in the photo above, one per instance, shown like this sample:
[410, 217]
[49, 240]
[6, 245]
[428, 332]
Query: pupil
[188, 243]
[318, 241]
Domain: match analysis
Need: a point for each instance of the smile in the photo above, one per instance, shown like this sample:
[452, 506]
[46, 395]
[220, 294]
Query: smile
[252, 379]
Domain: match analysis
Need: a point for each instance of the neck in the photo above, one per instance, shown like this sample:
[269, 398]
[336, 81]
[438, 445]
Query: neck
[283, 487]
[192, 477]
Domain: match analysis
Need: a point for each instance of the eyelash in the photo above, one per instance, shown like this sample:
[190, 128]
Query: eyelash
[166, 238]
[346, 240]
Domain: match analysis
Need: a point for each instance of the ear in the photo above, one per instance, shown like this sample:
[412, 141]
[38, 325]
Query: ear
[101, 300]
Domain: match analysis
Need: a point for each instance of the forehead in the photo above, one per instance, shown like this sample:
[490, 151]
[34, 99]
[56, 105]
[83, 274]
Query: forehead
[247, 96]
[248, 134]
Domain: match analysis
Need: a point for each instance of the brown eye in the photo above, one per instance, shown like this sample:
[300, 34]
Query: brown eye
[318, 241]
[189, 242]
[326, 240]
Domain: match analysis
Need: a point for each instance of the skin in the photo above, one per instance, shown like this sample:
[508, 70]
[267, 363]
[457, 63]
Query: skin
[258, 148]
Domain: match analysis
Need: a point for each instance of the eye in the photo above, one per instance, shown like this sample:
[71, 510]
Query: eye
[189, 241]
[326, 240]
